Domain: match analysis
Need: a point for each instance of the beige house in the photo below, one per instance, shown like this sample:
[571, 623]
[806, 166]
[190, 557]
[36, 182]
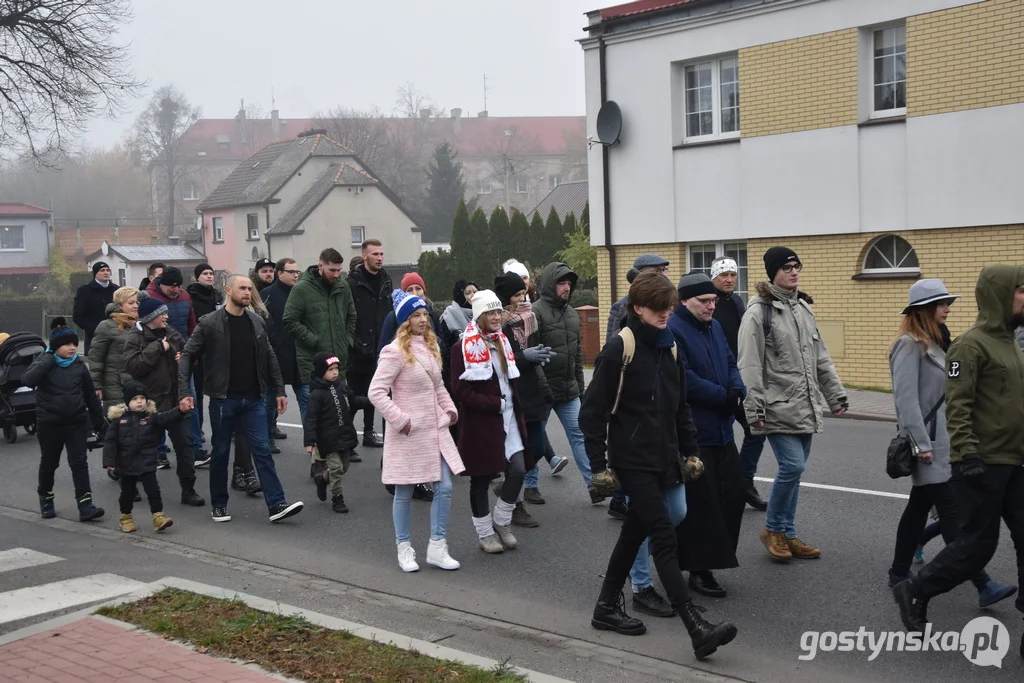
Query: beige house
[296, 197]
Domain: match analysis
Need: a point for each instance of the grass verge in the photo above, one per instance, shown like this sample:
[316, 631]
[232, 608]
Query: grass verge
[290, 645]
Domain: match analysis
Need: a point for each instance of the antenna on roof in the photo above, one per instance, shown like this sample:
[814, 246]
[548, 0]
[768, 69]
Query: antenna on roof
[485, 92]
[273, 105]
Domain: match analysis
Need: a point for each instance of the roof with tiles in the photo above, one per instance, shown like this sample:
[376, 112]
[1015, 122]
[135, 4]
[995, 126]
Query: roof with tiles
[566, 198]
[335, 175]
[17, 209]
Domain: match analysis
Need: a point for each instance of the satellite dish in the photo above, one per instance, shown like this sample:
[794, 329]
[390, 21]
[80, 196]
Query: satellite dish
[105, 248]
[609, 124]
[199, 222]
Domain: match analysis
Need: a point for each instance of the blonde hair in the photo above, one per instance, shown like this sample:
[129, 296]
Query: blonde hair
[257, 306]
[919, 323]
[404, 337]
[125, 294]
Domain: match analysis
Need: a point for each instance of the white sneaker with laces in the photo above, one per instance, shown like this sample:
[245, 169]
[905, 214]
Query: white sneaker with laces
[407, 557]
[437, 555]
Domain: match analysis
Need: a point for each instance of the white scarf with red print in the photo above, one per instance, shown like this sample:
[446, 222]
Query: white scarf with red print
[476, 353]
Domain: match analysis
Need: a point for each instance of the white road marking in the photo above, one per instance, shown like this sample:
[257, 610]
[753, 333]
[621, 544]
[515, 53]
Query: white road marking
[844, 489]
[50, 597]
[23, 558]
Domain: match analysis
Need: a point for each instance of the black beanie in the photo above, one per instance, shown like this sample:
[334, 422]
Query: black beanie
[200, 268]
[98, 266]
[171, 277]
[61, 336]
[506, 285]
[776, 257]
[695, 283]
[322, 361]
[133, 388]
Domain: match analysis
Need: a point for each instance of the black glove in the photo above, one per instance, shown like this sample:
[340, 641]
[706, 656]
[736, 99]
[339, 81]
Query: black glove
[973, 470]
[733, 399]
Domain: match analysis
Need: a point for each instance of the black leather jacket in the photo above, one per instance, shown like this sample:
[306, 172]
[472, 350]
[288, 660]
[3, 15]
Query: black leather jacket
[211, 342]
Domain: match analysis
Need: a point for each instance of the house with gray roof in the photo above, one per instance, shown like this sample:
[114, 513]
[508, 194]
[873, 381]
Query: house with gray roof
[128, 264]
[565, 198]
[296, 197]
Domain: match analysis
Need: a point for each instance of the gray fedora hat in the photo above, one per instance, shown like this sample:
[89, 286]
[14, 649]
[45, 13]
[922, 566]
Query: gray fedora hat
[928, 291]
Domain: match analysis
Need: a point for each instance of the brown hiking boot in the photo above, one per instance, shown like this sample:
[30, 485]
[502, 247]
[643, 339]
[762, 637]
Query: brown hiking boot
[776, 545]
[801, 550]
[532, 496]
[161, 521]
[127, 524]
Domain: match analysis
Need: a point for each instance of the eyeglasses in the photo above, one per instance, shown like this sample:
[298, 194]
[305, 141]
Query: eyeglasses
[293, 272]
[790, 267]
[707, 301]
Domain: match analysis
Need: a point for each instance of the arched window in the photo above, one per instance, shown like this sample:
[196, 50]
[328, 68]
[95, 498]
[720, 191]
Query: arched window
[255, 255]
[890, 254]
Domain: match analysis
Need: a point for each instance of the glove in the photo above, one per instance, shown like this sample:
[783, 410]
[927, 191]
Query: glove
[693, 468]
[733, 399]
[973, 470]
[540, 354]
[604, 483]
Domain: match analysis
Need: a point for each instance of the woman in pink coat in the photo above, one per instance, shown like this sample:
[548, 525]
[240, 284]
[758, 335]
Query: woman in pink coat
[417, 444]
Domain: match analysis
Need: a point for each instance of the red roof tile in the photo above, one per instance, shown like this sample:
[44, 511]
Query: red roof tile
[18, 209]
[639, 7]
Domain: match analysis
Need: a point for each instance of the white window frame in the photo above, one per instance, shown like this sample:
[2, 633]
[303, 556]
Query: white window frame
[721, 249]
[716, 99]
[253, 234]
[188, 192]
[522, 185]
[872, 35]
[10, 228]
[896, 269]
[362, 235]
[122, 277]
[218, 229]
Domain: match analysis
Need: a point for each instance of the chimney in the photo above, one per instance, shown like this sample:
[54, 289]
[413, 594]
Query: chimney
[456, 120]
[275, 125]
[482, 115]
[173, 240]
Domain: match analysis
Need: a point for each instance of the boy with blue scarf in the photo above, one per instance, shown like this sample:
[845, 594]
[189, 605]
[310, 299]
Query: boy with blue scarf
[66, 411]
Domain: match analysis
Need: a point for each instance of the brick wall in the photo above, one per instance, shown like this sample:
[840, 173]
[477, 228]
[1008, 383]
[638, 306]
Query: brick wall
[673, 252]
[965, 58]
[799, 84]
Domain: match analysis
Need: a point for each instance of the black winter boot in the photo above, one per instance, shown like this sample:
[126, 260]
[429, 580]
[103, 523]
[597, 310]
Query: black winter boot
[913, 611]
[86, 510]
[338, 503]
[705, 636]
[754, 499]
[252, 483]
[190, 497]
[610, 615]
[238, 479]
[46, 506]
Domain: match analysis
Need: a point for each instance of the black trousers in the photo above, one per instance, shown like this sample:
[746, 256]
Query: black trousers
[152, 488]
[510, 488]
[647, 517]
[243, 453]
[54, 438]
[184, 455]
[1001, 497]
[710, 533]
[359, 377]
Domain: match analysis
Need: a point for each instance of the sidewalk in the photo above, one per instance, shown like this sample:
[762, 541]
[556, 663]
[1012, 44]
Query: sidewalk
[870, 405]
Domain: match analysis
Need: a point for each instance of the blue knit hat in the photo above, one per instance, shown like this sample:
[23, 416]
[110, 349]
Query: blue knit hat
[150, 308]
[62, 336]
[405, 305]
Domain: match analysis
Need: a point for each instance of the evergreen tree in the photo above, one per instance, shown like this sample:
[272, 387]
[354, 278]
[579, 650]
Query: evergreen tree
[579, 254]
[462, 241]
[585, 219]
[533, 248]
[446, 190]
[568, 229]
[553, 239]
[519, 235]
[500, 243]
[436, 270]
[480, 259]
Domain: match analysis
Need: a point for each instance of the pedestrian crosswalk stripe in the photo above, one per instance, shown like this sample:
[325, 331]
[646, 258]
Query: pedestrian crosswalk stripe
[28, 602]
[23, 558]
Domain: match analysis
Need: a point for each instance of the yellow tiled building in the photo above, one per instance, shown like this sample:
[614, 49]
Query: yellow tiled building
[883, 141]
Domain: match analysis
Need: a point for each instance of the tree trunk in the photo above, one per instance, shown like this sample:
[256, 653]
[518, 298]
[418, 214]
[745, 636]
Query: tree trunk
[170, 199]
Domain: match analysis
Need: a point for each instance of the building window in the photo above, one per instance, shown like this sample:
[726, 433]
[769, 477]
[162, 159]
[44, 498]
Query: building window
[252, 221]
[892, 255]
[522, 185]
[554, 181]
[358, 235]
[12, 238]
[703, 255]
[122, 277]
[188, 192]
[218, 229]
[711, 99]
[223, 145]
[889, 71]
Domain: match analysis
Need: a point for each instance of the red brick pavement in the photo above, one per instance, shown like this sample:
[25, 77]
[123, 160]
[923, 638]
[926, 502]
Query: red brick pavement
[96, 651]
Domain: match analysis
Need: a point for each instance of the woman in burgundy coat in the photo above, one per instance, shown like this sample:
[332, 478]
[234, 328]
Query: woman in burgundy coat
[484, 385]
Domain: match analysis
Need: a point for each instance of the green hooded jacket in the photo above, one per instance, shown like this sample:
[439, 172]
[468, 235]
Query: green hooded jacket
[320, 317]
[560, 329]
[985, 376]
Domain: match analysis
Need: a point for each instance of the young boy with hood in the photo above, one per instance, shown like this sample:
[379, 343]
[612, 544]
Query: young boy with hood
[130, 451]
[329, 426]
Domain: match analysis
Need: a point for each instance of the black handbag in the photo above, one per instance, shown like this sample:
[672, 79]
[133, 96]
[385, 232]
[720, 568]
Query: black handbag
[900, 459]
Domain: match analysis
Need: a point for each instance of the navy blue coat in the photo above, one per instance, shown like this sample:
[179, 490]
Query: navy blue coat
[710, 371]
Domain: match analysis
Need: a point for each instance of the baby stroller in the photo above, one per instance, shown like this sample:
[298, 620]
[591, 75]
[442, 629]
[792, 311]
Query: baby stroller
[18, 402]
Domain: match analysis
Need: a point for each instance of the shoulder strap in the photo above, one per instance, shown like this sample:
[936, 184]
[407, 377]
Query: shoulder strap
[766, 318]
[628, 349]
[930, 417]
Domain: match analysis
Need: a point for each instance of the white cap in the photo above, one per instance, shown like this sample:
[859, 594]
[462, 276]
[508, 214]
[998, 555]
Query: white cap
[513, 266]
[483, 301]
[726, 265]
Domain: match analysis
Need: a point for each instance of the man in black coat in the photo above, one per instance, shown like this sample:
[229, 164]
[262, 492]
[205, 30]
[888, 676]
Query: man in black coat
[371, 289]
[91, 301]
[205, 299]
[275, 297]
[729, 313]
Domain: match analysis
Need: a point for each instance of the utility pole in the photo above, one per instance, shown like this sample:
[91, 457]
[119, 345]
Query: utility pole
[485, 92]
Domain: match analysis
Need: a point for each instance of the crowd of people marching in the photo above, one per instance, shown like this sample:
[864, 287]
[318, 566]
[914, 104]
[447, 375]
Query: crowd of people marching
[468, 391]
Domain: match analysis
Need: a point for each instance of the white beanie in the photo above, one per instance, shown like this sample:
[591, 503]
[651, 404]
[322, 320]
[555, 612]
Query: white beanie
[483, 301]
[513, 266]
[726, 265]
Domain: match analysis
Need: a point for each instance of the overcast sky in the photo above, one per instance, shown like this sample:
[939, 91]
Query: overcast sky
[317, 54]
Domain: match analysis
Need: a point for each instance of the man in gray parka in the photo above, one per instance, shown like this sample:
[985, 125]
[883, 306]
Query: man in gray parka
[789, 375]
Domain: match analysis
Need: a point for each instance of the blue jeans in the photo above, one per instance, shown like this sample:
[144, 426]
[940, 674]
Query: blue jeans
[270, 402]
[438, 509]
[791, 452]
[568, 413]
[750, 451]
[640, 574]
[250, 416]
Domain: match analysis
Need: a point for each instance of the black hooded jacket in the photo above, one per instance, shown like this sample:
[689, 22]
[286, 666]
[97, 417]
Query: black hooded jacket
[560, 329]
[204, 299]
[132, 438]
[328, 424]
[64, 396]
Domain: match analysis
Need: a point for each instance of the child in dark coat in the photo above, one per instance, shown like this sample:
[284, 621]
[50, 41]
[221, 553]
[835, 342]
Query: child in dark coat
[329, 426]
[130, 450]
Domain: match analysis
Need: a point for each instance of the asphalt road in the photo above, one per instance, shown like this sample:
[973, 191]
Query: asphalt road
[534, 604]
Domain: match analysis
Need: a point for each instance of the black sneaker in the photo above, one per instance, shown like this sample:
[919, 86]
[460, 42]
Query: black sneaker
[355, 457]
[338, 503]
[279, 435]
[372, 440]
[113, 475]
[190, 497]
[284, 511]
[649, 601]
[162, 463]
[202, 458]
[238, 479]
[618, 509]
[252, 483]
[321, 485]
[221, 515]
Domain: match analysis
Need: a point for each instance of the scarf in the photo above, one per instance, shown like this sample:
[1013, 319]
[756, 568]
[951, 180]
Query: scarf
[455, 317]
[524, 323]
[63, 362]
[123, 320]
[476, 353]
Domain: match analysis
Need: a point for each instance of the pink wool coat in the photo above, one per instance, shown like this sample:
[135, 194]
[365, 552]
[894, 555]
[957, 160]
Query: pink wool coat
[418, 397]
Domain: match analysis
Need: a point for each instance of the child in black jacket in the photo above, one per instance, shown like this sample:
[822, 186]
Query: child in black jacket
[67, 409]
[329, 426]
[130, 449]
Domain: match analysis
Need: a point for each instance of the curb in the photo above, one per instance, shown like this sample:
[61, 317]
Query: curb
[867, 417]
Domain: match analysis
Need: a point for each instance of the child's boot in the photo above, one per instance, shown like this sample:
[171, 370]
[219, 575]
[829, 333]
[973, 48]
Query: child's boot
[46, 506]
[161, 521]
[86, 510]
[127, 523]
[238, 479]
[338, 503]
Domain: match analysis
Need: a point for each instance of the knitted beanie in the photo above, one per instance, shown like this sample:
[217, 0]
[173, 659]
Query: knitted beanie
[98, 266]
[411, 279]
[694, 284]
[776, 257]
[171, 277]
[405, 305]
[150, 308]
[201, 268]
[133, 388]
[506, 285]
[322, 361]
[514, 266]
[483, 301]
[61, 336]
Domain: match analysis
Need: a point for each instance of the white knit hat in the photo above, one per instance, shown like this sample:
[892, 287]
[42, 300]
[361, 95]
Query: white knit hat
[726, 265]
[483, 301]
[514, 266]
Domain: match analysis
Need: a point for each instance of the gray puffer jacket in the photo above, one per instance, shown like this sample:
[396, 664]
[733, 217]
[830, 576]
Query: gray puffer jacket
[789, 374]
[106, 355]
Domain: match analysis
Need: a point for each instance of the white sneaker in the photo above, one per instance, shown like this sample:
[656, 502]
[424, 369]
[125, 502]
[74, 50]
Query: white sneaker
[437, 555]
[407, 557]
